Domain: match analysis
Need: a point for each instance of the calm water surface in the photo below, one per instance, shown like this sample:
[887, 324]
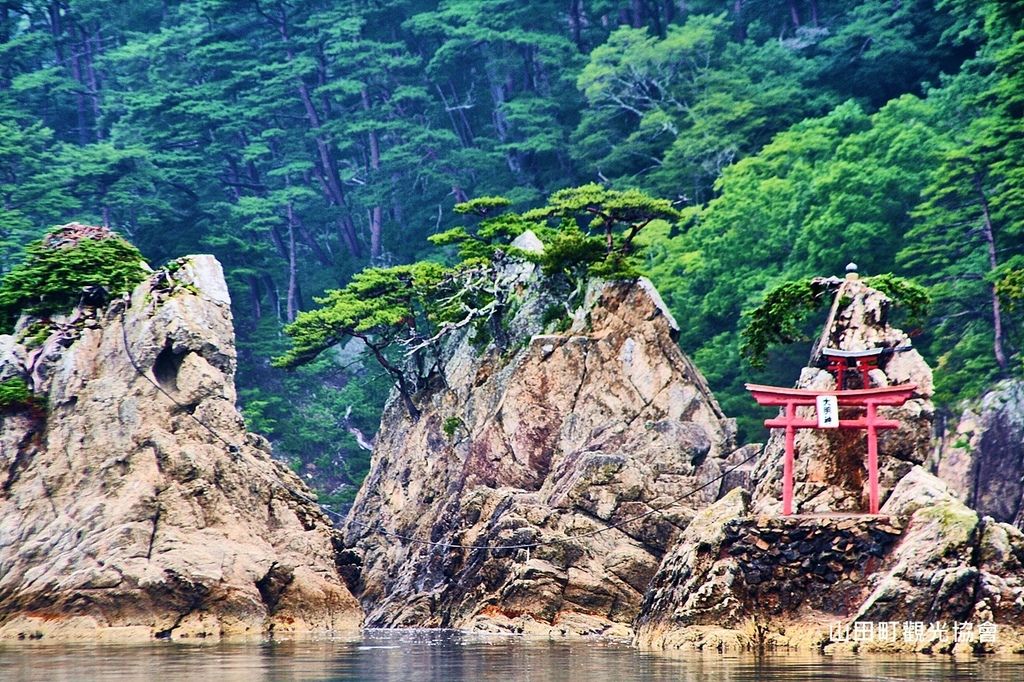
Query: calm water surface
[422, 656]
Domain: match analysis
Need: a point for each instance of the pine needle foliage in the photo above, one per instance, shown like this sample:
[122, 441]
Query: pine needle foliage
[778, 319]
[411, 309]
[55, 269]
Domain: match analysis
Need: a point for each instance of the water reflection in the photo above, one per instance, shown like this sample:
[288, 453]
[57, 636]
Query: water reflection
[428, 656]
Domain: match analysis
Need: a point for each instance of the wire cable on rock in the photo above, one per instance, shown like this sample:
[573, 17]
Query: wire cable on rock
[235, 449]
[232, 448]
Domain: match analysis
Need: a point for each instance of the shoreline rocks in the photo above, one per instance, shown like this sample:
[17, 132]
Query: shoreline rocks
[743, 577]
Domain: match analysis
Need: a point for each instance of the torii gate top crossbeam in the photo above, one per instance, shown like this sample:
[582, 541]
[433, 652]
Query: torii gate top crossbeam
[778, 396]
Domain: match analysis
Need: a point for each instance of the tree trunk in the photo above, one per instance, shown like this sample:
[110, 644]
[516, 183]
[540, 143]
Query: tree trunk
[451, 117]
[254, 297]
[292, 305]
[497, 90]
[93, 81]
[737, 11]
[794, 14]
[309, 240]
[6, 69]
[376, 213]
[401, 383]
[273, 295]
[988, 234]
[576, 23]
[81, 111]
[330, 180]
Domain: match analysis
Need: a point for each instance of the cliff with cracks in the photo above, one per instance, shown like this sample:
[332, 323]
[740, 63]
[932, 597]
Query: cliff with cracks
[574, 485]
[126, 514]
[981, 453]
[522, 499]
[580, 480]
[929, 573]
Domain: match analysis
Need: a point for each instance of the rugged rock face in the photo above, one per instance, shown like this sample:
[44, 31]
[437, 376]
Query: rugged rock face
[739, 580]
[743, 577]
[122, 516]
[829, 470]
[981, 455]
[560, 442]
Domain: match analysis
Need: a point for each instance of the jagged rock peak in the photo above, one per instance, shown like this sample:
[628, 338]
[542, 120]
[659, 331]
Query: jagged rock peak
[569, 433]
[122, 516]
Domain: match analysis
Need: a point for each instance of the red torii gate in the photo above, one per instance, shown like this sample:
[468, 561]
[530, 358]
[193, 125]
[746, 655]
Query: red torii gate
[867, 398]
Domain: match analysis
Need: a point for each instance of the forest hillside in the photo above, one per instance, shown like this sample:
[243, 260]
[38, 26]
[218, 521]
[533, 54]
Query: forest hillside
[301, 142]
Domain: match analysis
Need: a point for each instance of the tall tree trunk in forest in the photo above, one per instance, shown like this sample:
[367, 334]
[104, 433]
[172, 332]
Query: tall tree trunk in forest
[78, 75]
[93, 47]
[328, 175]
[576, 23]
[273, 294]
[309, 240]
[6, 72]
[397, 213]
[794, 14]
[376, 213]
[737, 11]
[451, 116]
[292, 305]
[497, 90]
[636, 12]
[254, 297]
[990, 243]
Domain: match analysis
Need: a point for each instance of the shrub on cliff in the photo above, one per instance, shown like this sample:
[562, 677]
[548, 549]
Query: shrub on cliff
[15, 394]
[777, 320]
[55, 269]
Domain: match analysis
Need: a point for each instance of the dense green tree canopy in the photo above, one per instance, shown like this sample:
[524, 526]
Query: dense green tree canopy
[304, 142]
[57, 268]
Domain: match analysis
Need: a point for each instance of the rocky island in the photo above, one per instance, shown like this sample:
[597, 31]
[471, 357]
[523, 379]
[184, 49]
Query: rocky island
[582, 481]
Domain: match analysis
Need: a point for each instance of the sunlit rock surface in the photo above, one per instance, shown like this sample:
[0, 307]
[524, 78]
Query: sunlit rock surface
[120, 515]
[560, 440]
